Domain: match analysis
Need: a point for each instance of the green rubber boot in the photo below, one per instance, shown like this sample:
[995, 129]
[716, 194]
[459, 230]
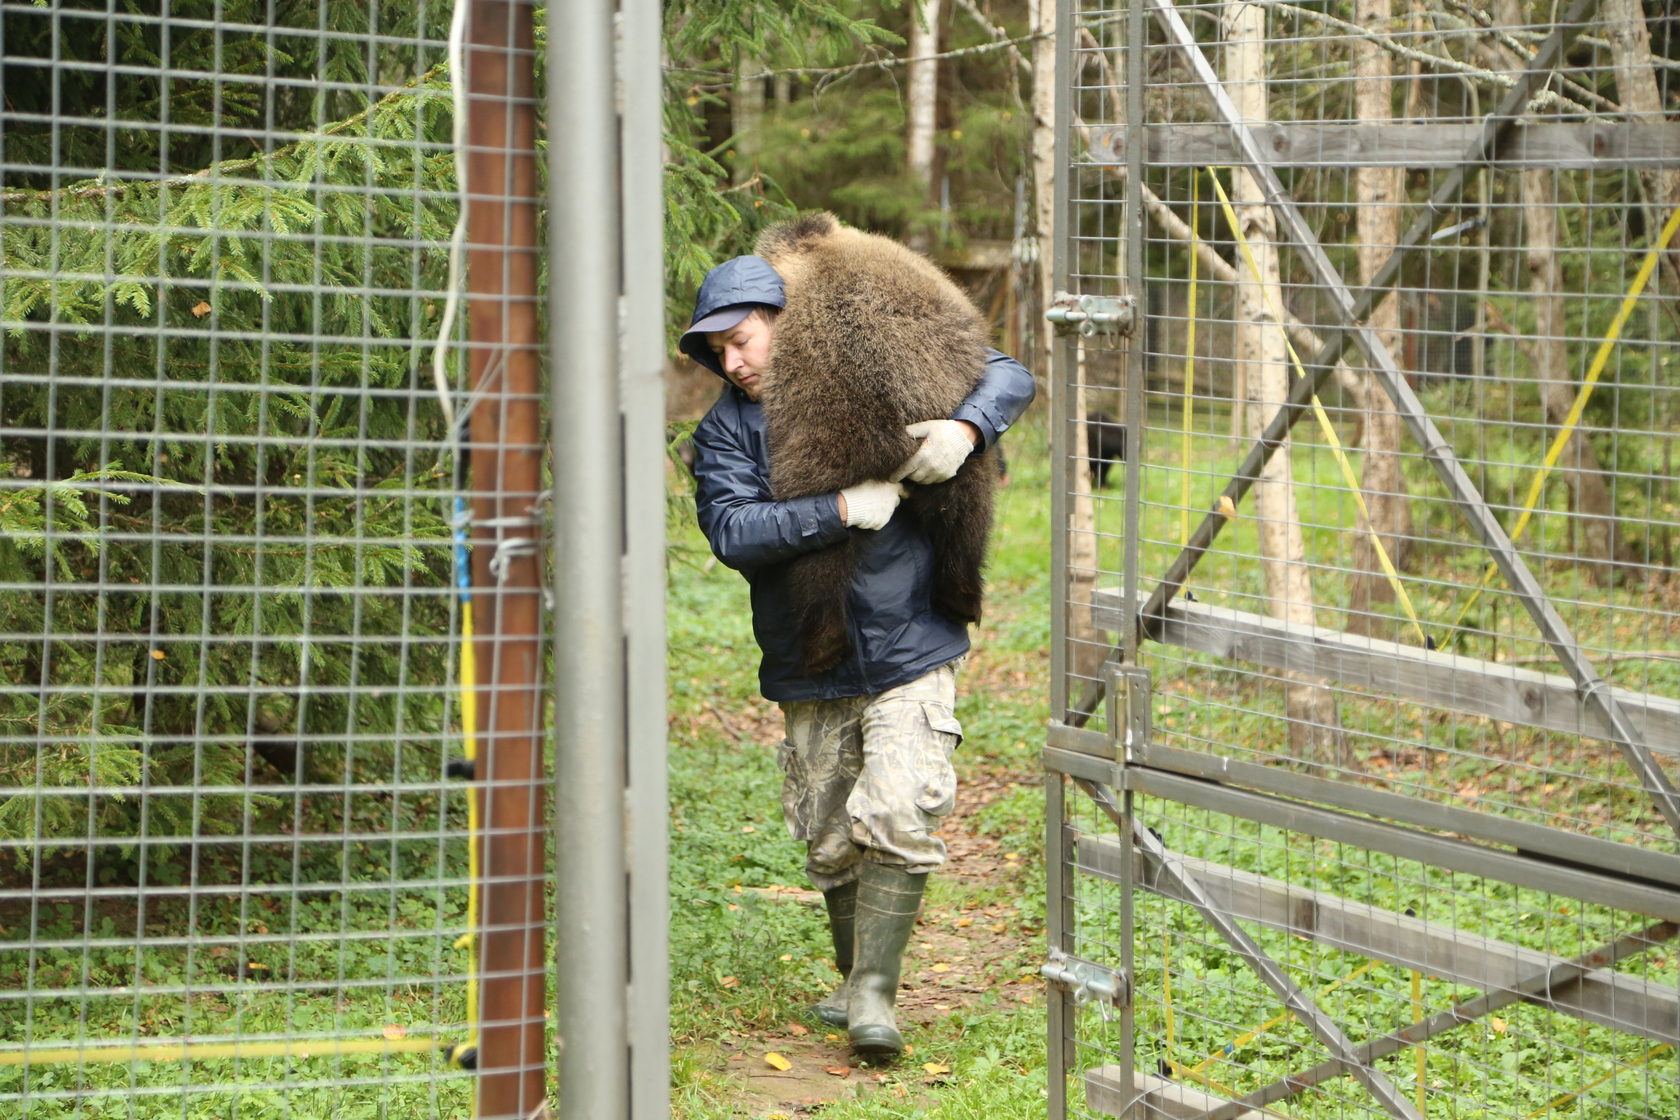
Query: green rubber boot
[888, 899]
[842, 919]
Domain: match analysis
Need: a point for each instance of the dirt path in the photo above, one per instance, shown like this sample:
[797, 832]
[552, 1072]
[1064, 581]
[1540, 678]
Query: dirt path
[959, 952]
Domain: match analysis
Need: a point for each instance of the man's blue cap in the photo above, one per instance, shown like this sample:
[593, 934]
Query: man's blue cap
[727, 295]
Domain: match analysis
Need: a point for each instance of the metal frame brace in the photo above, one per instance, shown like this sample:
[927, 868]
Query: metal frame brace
[1092, 315]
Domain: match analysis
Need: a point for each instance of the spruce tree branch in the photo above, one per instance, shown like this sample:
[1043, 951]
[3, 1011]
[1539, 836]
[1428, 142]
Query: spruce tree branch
[828, 72]
[232, 166]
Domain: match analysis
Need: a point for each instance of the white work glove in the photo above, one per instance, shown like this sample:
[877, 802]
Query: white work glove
[870, 505]
[945, 448]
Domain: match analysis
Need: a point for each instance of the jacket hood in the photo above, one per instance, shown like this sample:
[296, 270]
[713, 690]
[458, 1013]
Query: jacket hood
[743, 282]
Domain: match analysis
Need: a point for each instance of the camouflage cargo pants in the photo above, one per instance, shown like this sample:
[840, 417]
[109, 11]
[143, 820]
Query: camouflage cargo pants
[871, 773]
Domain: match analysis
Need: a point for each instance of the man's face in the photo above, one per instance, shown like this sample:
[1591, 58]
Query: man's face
[744, 351]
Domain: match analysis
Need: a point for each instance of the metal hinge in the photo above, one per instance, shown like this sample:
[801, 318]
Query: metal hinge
[1085, 981]
[1131, 691]
[1091, 315]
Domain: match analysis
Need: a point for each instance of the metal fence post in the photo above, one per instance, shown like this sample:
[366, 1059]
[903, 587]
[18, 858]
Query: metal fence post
[591, 945]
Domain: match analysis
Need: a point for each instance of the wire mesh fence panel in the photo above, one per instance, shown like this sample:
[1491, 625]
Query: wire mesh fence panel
[1371, 617]
[233, 870]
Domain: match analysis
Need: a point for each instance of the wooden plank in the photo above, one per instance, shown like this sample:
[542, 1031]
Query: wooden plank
[1440, 680]
[1160, 1098]
[1590, 146]
[1613, 999]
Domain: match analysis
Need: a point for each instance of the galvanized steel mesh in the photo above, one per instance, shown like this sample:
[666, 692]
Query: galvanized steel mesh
[233, 871]
[1366, 788]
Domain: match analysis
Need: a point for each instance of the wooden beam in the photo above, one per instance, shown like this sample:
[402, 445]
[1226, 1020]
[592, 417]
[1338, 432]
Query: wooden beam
[1440, 680]
[1613, 999]
[1587, 147]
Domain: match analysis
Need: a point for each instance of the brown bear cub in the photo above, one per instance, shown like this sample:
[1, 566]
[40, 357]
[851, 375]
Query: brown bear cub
[874, 337]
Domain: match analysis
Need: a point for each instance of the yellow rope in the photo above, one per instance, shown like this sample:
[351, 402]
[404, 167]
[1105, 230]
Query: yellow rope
[469, 737]
[1189, 362]
[1422, 1048]
[1653, 1052]
[1324, 424]
[211, 1051]
[1573, 419]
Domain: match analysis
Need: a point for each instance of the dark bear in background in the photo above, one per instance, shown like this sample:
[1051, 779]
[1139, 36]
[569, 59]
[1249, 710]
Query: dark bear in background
[1105, 442]
[874, 337]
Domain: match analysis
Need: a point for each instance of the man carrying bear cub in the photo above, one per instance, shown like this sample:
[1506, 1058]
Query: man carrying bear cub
[867, 755]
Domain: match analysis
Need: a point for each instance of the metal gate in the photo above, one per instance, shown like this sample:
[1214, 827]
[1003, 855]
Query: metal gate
[1367, 652]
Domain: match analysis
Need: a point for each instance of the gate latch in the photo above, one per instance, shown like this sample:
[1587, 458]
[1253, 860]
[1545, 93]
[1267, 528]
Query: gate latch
[1091, 315]
[1085, 981]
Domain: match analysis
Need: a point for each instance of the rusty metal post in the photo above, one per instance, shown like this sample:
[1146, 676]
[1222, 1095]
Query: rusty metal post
[506, 438]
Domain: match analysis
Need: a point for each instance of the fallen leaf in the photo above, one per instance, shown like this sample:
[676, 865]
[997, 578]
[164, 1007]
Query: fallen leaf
[961, 922]
[200, 309]
[729, 981]
[748, 828]
[776, 1061]
[838, 1071]
[997, 927]
[157, 655]
[394, 1031]
[941, 967]
[798, 1030]
[1497, 1024]
[1225, 507]
[935, 1067]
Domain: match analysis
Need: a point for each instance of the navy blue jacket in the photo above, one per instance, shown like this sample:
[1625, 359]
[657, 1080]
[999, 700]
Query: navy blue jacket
[896, 635]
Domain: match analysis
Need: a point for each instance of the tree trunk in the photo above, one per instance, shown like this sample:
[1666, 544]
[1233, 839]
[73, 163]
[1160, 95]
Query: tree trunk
[1636, 89]
[924, 100]
[1314, 728]
[1589, 499]
[746, 114]
[1043, 170]
[1087, 646]
[1379, 190]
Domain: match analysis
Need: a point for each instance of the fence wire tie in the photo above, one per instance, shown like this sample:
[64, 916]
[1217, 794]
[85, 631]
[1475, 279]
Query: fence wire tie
[509, 549]
[1596, 685]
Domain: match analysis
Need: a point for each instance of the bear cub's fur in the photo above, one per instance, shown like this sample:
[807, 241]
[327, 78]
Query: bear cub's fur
[874, 337]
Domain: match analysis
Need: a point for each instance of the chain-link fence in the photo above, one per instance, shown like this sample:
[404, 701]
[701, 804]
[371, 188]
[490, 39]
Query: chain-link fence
[1370, 638]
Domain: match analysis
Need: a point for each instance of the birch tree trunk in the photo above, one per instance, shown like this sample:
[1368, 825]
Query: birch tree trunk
[924, 99]
[1088, 647]
[1314, 728]
[1379, 190]
[1043, 168]
[1636, 89]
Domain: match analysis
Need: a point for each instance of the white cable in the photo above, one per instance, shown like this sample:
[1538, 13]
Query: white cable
[452, 294]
